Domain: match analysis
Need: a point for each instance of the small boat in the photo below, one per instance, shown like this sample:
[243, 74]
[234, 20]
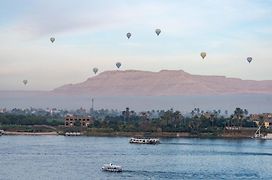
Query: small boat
[1, 132]
[144, 140]
[263, 137]
[111, 168]
[266, 137]
[259, 135]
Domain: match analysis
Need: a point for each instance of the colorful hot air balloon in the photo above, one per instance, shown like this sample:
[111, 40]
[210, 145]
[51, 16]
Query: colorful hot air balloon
[203, 55]
[95, 70]
[249, 59]
[52, 39]
[128, 35]
[25, 82]
[158, 31]
[118, 65]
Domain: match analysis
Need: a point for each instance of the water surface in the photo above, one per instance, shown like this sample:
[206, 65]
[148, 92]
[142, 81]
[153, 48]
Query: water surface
[58, 157]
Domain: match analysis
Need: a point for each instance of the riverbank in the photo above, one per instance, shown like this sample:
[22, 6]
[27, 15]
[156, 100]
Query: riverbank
[234, 134]
[171, 135]
[31, 133]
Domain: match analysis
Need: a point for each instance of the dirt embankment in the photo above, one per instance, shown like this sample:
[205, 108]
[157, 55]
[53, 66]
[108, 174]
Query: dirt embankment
[138, 134]
[238, 133]
[30, 133]
[233, 135]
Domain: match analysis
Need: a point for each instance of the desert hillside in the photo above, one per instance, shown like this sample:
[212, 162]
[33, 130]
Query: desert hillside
[165, 82]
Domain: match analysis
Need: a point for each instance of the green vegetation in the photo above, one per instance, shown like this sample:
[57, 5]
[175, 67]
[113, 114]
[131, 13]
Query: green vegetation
[174, 121]
[211, 123]
[10, 119]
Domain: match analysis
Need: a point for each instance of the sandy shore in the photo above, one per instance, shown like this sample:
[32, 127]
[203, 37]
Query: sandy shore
[141, 134]
[30, 133]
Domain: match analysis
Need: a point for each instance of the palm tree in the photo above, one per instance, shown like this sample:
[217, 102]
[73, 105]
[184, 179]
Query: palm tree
[193, 113]
[212, 116]
[238, 115]
[246, 112]
[194, 124]
[177, 118]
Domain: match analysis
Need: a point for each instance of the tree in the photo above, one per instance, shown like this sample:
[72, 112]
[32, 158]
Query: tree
[246, 112]
[238, 115]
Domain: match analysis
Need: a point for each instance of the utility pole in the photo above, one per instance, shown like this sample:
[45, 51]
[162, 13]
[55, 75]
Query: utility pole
[92, 108]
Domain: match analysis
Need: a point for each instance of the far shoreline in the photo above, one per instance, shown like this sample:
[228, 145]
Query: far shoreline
[136, 134]
[12, 133]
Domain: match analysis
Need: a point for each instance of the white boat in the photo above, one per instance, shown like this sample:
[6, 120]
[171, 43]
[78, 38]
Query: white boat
[111, 168]
[259, 135]
[72, 134]
[267, 136]
[144, 140]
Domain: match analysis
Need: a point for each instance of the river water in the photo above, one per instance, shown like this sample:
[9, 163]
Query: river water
[59, 157]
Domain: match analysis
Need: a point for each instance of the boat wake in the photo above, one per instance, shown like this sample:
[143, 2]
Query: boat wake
[187, 175]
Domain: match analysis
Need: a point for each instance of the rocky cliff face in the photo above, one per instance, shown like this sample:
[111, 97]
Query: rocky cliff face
[165, 82]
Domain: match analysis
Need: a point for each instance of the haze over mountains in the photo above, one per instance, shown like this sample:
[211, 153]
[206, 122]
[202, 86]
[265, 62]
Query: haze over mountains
[141, 91]
[163, 83]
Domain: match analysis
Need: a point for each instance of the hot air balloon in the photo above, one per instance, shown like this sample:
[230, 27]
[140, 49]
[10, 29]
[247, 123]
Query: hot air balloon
[25, 82]
[203, 55]
[52, 39]
[128, 35]
[249, 59]
[95, 70]
[118, 65]
[158, 31]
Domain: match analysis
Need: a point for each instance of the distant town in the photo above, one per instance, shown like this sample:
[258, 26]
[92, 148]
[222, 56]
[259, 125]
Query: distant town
[165, 123]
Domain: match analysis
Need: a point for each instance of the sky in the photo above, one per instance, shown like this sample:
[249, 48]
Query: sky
[92, 33]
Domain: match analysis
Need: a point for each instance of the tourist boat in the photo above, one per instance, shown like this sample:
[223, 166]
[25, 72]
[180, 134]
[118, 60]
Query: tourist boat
[144, 140]
[111, 168]
[72, 134]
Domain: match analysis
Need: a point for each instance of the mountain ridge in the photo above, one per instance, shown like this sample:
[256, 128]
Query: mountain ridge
[164, 83]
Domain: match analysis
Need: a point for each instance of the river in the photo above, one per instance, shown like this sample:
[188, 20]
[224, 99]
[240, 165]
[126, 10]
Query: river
[59, 157]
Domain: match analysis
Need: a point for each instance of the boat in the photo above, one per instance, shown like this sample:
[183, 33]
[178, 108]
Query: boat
[1, 132]
[111, 168]
[144, 140]
[72, 134]
[267, 136]
[259, 135]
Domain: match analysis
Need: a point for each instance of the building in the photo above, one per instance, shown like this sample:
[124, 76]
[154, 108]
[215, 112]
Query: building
[266, 124]
[265, 118]
[4, 110]
[79, 121]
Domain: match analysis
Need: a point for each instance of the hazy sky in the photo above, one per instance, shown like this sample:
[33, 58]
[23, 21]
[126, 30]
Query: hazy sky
[93, 34]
